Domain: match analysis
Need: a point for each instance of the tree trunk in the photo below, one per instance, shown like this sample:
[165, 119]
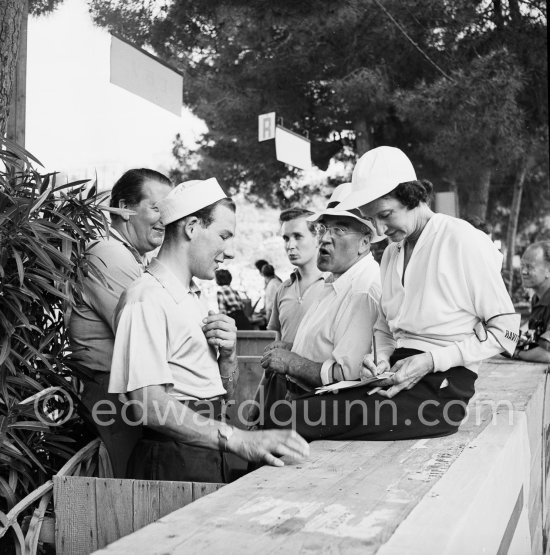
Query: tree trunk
[17, 113]
[363, 141]
[498, 18]
[526, 164]
[478, 197]
[11, 14]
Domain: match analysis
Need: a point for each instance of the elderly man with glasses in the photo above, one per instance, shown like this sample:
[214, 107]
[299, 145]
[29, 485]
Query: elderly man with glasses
[336, 332]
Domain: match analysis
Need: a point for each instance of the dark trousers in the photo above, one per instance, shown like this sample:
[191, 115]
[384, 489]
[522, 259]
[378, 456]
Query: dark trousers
[426, 410]
[160, 457]
[119, 436]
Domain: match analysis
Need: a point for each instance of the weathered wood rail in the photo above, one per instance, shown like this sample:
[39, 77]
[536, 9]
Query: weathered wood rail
[92, 512]
[253, 342]
[482, 490]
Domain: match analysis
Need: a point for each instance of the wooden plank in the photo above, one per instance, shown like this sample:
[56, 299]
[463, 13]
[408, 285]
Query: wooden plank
[75, 515]
[481, 507]
[250, 374]
[115, 518]
[356, 496]
[146, 502]
[200, 489]
[174, 495]
[253, 342]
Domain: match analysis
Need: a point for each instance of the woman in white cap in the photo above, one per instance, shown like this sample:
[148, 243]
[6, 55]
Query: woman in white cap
[443, 309]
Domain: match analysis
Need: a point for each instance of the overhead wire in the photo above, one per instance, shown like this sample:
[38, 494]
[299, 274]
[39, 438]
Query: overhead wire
[411, 40]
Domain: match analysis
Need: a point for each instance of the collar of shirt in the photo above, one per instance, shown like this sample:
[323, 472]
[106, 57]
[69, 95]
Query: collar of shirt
[141, 259]
[544, 300]
[342, 284]
[170, 282]
[296, 275]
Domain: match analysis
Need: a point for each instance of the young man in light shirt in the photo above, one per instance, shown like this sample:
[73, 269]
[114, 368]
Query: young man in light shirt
[297, 293]
[293, 298]
[175, 360]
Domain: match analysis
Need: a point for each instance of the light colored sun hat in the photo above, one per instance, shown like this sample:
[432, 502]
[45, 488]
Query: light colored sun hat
[334, 209]
[378, 172]
[188, 197]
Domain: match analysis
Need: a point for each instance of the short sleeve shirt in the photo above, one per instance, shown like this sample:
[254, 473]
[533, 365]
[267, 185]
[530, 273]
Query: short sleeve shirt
[91, 328]
[290, 304]
[159, 339]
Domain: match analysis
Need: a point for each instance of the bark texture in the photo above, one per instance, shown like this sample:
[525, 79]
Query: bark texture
[11, 12]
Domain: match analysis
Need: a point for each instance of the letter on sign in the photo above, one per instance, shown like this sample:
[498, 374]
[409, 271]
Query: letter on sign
[266, 126]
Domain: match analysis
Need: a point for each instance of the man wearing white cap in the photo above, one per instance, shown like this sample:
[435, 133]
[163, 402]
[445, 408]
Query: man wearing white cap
[336, 332]
[173, 358]
[443, 309]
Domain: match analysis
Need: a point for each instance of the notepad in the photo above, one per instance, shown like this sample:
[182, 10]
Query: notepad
[349, 384]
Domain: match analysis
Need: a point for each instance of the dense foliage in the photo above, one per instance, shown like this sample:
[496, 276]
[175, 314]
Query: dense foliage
[461, 86]
[44, 227]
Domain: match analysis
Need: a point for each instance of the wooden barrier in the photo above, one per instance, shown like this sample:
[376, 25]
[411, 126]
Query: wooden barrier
[253, 342]
[250, 374]
[92, 512]
[481, 490]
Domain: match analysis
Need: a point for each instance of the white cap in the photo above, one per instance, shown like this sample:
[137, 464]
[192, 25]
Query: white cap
[188, 197]
[377, 173]
[334, 209]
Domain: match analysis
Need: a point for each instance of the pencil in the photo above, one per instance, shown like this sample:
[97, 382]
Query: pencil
[374, 349]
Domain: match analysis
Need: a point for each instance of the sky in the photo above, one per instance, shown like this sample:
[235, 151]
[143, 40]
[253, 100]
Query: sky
[79, 123]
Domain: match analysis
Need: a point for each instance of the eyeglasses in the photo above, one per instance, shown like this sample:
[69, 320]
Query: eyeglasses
[334, 231]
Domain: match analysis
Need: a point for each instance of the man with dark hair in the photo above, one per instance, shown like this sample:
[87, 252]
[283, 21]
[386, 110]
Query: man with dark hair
[120, 258]
[230, 301]
[534, 346]
[272, 284]
[260, 263]
[175, 360]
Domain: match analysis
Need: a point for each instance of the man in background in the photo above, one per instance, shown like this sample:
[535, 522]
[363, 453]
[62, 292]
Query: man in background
[297, 293]
[120, 259]
[534, 346]
[293, 298]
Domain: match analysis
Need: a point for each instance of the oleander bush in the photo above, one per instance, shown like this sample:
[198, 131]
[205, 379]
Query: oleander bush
[44, 228]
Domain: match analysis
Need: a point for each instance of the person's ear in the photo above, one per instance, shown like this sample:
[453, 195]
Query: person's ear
[123, 204]
[364, 244]
[190, 227]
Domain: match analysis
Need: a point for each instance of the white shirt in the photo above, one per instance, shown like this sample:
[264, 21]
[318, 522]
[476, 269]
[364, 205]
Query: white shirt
[453, 302]
[338, 327]
[159, 339]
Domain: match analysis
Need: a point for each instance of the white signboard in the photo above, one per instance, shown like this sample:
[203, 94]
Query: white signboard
[266, 126]
[141, 74]
[292, 149]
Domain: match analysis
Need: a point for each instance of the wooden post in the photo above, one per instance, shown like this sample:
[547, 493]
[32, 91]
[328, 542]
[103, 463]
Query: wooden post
[17, 117]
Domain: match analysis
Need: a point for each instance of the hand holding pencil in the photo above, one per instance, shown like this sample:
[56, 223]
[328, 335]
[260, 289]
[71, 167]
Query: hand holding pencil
[371, 366]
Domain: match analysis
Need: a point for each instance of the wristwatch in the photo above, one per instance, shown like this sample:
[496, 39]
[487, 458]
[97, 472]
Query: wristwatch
[224, 433]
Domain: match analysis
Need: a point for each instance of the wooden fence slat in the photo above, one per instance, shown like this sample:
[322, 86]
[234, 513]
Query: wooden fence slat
[200, 489]
[146, 502]
[114, 509]
[174, 495]
[253, 342]
[75, 515]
